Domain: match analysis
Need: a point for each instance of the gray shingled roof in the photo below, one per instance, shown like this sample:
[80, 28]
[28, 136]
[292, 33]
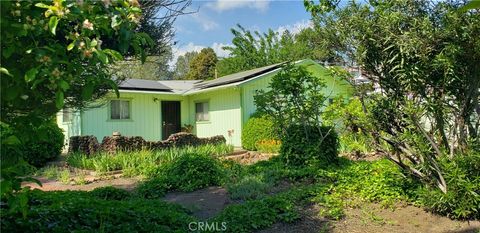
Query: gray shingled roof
[237, 77]
[144, 85]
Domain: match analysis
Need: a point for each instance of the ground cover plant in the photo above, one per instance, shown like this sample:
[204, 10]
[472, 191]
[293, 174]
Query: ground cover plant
[67, 211]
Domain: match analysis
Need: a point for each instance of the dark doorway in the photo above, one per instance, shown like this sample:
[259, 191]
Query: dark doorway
[170, 118]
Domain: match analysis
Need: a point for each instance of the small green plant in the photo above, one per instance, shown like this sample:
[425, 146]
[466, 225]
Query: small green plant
[80, 179]
[193, 171]
[49, 172]
[64, 176]
[153, 188]
[249, 187]
[110, 193]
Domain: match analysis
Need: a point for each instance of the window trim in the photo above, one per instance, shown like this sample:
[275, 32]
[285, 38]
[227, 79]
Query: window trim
[109, 112]
[195, 110]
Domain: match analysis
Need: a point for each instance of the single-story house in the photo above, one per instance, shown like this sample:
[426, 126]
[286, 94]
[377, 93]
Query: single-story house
[156, 109]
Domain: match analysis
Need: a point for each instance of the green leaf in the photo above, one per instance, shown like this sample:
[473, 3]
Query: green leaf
[474, 4]
[11, 140]
[101, 55]
[114, 86]
[30, 75]
[116, 55]
[59, 100]
[116, 21]
[5, 71]
[12, 92]
[42, 5]
[64, 85]
[71, 45]
[87, 92]
[52, 24]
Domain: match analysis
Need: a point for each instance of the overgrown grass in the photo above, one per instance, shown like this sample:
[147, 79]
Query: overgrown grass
[143, 162]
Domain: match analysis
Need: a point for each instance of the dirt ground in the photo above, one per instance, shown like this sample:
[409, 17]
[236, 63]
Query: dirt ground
[115, 181]
[204, 203]
[372, 218]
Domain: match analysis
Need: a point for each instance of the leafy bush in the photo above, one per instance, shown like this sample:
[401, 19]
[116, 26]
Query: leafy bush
[75, 211]
[462, 200]
[193, 171]
[302, 145]
[352, 124]
[153, 188]
[37, 151]
[377, 181]
[256, 129]
[110, 193]
[269, 146]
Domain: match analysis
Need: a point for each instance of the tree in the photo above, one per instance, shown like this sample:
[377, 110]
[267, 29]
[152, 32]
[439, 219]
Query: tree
[57, 54]
[203, 65]
[295, 102]
[182, 66]
[154, 68]
[425, 56]
[254, 49]
[157, 21]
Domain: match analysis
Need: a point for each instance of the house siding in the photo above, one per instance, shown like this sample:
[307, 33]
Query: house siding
[229, 108]
[224, 114]
[145, 116]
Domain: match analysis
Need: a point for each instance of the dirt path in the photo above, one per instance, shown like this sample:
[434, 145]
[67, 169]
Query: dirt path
[371, 218]
[53, 185]
[204, 203]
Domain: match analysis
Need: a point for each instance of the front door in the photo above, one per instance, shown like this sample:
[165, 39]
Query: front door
[170, 118]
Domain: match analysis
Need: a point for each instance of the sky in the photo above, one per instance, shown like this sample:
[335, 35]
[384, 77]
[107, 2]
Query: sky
[210, 25]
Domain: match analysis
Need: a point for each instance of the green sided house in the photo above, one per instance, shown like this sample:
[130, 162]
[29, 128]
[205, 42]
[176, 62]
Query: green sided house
[156, 109]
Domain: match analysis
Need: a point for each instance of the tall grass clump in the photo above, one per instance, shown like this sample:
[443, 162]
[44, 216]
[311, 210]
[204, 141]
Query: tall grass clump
[144, 162]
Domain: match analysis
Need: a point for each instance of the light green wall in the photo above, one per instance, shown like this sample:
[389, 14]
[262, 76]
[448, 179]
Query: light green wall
[145, 117]
[229, 108]
[334, 87]
[224, 113]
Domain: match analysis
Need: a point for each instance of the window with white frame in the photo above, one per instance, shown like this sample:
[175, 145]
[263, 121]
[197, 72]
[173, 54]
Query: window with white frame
[119, 109]
[201, 111]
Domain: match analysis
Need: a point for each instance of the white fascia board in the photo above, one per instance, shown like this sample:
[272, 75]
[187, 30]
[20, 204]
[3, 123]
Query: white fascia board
[149, 92]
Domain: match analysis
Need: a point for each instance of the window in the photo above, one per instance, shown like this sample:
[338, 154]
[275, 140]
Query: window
[66, 115]
[119, 109]
[201, 111]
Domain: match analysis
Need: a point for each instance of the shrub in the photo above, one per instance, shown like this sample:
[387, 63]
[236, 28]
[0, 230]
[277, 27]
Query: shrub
[269, 146]
[153, 188]
[462, 200]
[46, 147]
[75, 211]
[110, 193]
[256, 129]
[302, 145]
[193, 171]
